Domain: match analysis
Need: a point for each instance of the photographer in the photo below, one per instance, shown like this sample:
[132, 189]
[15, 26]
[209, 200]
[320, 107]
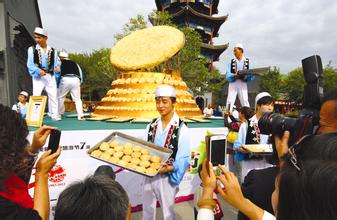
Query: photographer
[249, 133]
[17, 158]
[309, 169]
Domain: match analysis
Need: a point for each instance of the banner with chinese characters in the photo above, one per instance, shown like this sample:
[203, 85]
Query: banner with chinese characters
[74, 164]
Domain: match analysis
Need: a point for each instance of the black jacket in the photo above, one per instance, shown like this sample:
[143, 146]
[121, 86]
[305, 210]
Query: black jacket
[13, 211]
[258, 187]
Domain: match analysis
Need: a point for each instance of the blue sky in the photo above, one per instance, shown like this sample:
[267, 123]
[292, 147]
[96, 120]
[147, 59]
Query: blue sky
[274, 33]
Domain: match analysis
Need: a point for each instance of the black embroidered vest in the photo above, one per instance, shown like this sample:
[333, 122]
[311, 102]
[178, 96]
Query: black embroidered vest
[253, 135]
[38, 62]
[171, 139]
[69, 67]
[234, 68]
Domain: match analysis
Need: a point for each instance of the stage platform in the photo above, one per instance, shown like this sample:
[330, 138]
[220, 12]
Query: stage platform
[72, 124]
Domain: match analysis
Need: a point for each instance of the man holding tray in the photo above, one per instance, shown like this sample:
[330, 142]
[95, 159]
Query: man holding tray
[167, 131]
[249, 133]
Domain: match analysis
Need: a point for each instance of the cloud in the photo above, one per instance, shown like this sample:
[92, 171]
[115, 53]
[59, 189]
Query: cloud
[274, 33]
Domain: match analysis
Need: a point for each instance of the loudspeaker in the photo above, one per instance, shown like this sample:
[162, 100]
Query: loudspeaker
[312, 69]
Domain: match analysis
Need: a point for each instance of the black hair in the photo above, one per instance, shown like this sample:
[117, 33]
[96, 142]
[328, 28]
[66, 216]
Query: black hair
[173, 99]
[239, 48]
[96, 197]
[266, 100]
[247, 112]
[309, 193]
[105, 170]
[13, 143]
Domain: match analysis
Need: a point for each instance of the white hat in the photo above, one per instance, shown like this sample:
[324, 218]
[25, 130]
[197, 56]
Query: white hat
[239, 45]
[24, 93]
[40, 31]
[260, 96]
[63, 54]
[165, 91]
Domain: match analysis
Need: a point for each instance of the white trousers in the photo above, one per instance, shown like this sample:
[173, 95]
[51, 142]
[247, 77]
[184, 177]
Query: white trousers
[238, 88]
[72, 84]
[159, 188]
[48, 83]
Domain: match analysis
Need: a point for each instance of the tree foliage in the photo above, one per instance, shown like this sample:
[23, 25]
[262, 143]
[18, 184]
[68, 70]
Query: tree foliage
[133, 24]
[98, 72]
[293, 85]
[329, 78]
[271, 82]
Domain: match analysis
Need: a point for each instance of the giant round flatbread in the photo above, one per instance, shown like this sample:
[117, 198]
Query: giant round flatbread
[146, 48]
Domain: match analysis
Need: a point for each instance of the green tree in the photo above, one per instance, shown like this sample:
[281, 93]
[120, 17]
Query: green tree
[133, 24]
[98, 73]
[329, 78]
[271, 82]
[293, 85]
[160, 18]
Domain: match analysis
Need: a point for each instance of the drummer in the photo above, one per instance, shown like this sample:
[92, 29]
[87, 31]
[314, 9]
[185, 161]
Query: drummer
[167, 131]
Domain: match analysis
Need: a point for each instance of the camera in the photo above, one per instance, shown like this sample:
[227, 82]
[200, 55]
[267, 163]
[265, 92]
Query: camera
[276, 124]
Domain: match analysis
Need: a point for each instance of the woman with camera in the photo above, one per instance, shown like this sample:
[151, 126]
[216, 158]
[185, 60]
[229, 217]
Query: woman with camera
[17, 158]
[304, 189]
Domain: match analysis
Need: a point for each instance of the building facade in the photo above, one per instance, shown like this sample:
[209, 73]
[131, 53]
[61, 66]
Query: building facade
[18, 18]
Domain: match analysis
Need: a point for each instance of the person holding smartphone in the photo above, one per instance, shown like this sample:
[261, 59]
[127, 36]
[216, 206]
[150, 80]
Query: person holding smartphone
[17, 158]
[167, 131]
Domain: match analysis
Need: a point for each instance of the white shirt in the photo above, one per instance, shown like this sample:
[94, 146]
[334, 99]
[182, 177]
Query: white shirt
[208, 111]
[182, 159]
[207, 214]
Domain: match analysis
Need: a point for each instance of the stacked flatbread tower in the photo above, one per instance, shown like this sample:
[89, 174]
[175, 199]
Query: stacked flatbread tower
[132, 94]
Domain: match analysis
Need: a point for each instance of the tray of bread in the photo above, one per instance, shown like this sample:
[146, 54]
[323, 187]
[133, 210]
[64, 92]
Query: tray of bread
[259, 148]
[131, 153]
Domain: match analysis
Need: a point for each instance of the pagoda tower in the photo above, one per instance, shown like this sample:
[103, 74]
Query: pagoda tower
[199, 15]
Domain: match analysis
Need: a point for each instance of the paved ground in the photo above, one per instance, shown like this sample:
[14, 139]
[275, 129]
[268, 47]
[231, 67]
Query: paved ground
[184, 211]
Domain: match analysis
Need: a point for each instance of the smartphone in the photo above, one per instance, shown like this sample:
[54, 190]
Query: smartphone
[217, 150]
[54, 140]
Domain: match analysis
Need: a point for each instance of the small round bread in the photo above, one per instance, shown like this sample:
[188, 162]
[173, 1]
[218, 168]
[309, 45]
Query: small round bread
[126, 158]
[113, 160]
[113, 143]
[128, 145]
[155, 165]
[144, 151]
[122, 163]
[118, 154]
[140, 169]
[127, 151]
[105, 156]
[155, 159]
[135, 161]
[129, 165]
[145, 157]
[151, 171]
[119, 148]
[110, 151]
[136, 155]
[132, 166]
[136, 149]
[144, 163]
[96, 153]
[104, 146]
